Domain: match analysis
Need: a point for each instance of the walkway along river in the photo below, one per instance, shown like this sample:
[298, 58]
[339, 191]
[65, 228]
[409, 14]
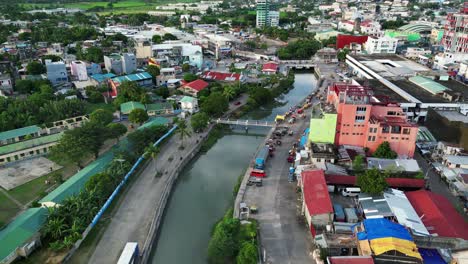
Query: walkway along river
[204, 188]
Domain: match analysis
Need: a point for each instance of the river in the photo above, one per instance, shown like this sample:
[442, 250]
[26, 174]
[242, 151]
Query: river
[203, 191]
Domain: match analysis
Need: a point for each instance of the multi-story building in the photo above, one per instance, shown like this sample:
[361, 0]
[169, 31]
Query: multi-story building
[367, 27]
[56, 72]
[265, 16]
[414, 53]
[455, 38]
[365, 121]
[78, 70]
[6, 84]
[176, 54]
[120, 64]
[383, 44]
[218, 46]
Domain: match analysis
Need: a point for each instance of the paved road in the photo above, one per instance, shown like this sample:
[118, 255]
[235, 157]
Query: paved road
[284, 238]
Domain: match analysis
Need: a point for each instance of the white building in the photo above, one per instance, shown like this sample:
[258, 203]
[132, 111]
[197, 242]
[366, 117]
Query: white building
[383, 44]
[441, 60]
[120, 64]
[414, 53]
[367, 27]
[79, 70]
[218, 45]
[463, 71]
[189, 104]
[129, 64]
[56, 72]
[177, 54]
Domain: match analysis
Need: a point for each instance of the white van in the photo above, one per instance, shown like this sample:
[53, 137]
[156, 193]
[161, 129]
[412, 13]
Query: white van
[350, 191]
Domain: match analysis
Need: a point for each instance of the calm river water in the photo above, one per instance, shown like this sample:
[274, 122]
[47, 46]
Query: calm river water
[204, 189]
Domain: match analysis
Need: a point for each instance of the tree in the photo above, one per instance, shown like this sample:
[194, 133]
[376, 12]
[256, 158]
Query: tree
[153, 71]
[163, 92]
[223, 245]
[199, 121]
[358, 163]
[229, 92]
[342, 54]
[169, 36]
[185, 67]
[116, 130]
[73, 146]
[183, 131]
[215, 104]
[190, 77]
[35, 68]
[101, 117]
[372, 182]
[247, 254]
[138, 116]
[152, 151]
[130, 91]
[156, 39]
[384, 151]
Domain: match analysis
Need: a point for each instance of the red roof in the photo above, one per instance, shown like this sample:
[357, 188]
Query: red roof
[345, 40]
[351, 260]
[316, 196]
[221, 76]
[270, 67]
[197, 85]
[392, 182]
[438, 214]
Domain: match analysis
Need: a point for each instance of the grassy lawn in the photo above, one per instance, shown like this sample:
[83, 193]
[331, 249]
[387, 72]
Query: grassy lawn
[8, 208]
[91, 107]
[29, 191]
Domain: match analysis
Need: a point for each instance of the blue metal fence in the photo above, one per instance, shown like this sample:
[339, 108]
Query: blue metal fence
[127, 176]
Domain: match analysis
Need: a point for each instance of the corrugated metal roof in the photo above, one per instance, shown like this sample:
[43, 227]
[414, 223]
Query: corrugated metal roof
[99, 77]
[132, 77]
[428, 85]
[21, 230]
[154, 122]
[19, 132]
[128, 107]
[316, 196]
[30, 143]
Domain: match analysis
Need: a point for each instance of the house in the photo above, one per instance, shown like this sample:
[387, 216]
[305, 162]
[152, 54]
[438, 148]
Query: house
[79, 70]
[385, 240]
[120, 64]
[399, 183]
[365, 122]
[176, 54]
[383, 44]
[6, 84]
[350, 260]
[316, 202]
[19, 134]
[322, 153]
[128, 107]
[453, 161]
[438, 214]
[142, 79]
[346, 41]
[270, 68]
[157, 109]
[56, 72]
[101, 78]
[193, 88]
[189, 104]
[221, 76]
[397, 165]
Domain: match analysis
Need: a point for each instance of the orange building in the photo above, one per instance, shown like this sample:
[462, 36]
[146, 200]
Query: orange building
[364, 120]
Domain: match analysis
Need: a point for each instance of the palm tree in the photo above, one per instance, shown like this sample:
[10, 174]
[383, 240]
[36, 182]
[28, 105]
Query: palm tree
[151, 151]
[55, 228]
[229, 92]
[183, 131]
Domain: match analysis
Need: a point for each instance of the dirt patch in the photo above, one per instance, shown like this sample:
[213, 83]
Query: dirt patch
[16, 174]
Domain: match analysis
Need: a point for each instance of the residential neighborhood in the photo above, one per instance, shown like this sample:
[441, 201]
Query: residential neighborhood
[144, 131]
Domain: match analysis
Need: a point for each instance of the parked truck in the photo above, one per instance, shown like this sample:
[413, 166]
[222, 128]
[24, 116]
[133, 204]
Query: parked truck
[261, 158]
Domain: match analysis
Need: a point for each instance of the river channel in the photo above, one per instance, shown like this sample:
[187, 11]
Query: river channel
[203, 191]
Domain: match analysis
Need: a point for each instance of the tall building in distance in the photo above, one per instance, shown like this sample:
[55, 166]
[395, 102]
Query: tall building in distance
[265, 16]
[455, 38]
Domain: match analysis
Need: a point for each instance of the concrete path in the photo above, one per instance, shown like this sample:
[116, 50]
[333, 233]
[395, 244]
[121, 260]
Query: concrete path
[283, 237]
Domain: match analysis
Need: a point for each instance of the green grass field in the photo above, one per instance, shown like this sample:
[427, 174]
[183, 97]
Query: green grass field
[29, 191]
[8, 208]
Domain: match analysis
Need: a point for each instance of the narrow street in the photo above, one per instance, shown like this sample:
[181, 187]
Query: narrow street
[284, 238]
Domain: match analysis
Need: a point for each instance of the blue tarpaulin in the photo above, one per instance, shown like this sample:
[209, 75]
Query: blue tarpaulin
[431, 256]
[383, 228]
[304, 137]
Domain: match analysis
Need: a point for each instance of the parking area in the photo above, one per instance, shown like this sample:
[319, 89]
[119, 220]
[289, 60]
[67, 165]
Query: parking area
[16, 174]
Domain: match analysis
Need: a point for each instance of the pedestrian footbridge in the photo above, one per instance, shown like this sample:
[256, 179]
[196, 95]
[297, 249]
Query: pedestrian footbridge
[299, 64]
[245, 122]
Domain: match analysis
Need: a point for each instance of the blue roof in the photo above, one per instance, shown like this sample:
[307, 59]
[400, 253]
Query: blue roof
[133, 77]
[100, 77]
[431, 256]
[382, 228]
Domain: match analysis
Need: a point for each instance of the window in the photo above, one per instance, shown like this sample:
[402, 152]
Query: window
[406, 131]
[361, 109]
[359, 119]
[385, 129]
[319, 160]
[391, 113]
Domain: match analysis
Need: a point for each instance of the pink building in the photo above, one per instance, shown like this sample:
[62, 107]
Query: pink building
[363, 120]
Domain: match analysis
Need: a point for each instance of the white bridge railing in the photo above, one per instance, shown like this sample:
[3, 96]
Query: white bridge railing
[246, 122]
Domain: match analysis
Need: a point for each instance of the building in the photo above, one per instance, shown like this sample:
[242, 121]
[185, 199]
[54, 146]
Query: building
[462, 73]
[396, 165]
[79, 70]
[414, 53]
[222, 76]
[366, 27]
[192, 88]
[266, 17]
[101, 78]
[128, 107]
[93, 68]
[444, 60]
[326, 34]
[6, 84]
[454, 121]
[383, 44]
[143, 49]
[347, 41]
[363, 120]
[350, 260]
[158, 109]
[177, 54]
[270, 68]
[455, 36]
[327, 55]
[438, 214]
[189, 104]
[218, 46]
[142, 79]
[56, 72]
[322, 125]
[120, 64]
[453, 161]
[316, 203]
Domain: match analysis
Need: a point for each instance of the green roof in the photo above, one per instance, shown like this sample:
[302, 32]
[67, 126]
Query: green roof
[127, 107]
[158, 106]
[20, 230]
[323, 130]
[30, 143]
[132, 77]
[187, 99]
[428, 84]
[410, 36]
[19, 132]
[155, 121]
[74, 185]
